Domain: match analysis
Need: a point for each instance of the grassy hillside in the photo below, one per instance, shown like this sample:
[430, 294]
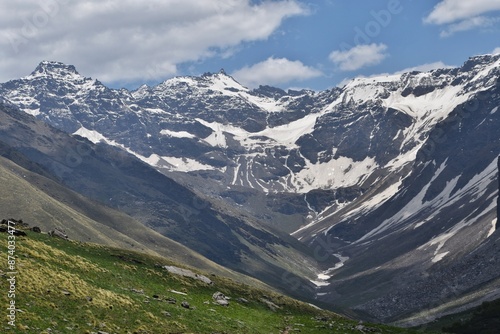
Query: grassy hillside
[73, 287]
[43, 202]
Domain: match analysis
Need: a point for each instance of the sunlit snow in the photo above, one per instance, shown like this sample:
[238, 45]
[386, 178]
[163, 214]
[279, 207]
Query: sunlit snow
[177, 134]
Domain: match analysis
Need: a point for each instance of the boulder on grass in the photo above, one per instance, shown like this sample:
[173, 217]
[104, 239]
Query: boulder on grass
[59, 234]
[220, 299]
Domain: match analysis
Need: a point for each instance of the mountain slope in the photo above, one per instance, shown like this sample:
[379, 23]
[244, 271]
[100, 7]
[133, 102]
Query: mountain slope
[43, 202]
[389, 181]
[343, 141]
[438, 232]
[115, 178]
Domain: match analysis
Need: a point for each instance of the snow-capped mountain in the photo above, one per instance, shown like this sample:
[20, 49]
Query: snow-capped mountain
[403, 166]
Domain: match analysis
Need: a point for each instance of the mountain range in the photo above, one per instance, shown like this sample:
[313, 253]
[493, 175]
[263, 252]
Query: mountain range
[379, 198]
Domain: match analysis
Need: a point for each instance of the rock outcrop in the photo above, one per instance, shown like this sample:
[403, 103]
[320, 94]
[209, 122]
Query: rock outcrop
[187, 273]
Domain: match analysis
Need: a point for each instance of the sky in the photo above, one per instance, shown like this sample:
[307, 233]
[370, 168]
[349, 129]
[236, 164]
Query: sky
[283, 43]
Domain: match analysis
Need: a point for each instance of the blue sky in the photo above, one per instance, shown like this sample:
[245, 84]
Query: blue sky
[284, 43]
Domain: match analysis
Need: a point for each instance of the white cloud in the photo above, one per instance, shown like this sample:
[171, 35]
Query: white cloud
[496, 50]
[359, 56]
[468, 24]
[449, 11]
[275, 71]
[121, 40]
[459, 15]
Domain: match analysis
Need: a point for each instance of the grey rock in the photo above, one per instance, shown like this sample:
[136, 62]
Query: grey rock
[187, 273]
[220, 299]
[58, 233]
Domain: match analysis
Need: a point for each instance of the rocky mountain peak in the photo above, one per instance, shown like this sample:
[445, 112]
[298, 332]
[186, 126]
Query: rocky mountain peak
[210, 74]
[481, 60]
[54, 69]
[221, 76]
[269, 91]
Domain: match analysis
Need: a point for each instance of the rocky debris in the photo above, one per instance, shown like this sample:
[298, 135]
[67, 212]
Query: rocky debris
[7, 226]
[171, 300]
[166, 314]
[360, 328]
[59, 234]
[364, 329]
[272, 306]
[286, 330]
[36, 229]
[220, 299]
[14, 231]
[138, 291]
[185, 304]
[19, 223]
[128, 259]
[242, 300]
[442, 285]
[187, 273]
[339, 326]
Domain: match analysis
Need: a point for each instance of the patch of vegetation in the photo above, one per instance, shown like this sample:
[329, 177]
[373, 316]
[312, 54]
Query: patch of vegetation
[485, 319]
[66, 286]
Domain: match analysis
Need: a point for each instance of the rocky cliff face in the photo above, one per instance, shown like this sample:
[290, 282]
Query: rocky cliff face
[422, 238]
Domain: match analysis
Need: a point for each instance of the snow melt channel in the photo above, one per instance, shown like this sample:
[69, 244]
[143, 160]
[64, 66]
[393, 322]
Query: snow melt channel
[324, 276]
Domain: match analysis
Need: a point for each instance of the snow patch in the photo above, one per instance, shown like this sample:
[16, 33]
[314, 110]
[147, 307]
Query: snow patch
[341, 172]
[155, 110]
[153, 159]
[324, 276]
[179, 134]
[185, 164]
[172, 163]
[217, 137]
[319, 283]
[439, 257]
[493, 227]
[288, 134]
[92, 135]
[32, 112]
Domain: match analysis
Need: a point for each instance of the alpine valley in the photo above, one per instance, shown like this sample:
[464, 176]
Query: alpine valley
[378, 199]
